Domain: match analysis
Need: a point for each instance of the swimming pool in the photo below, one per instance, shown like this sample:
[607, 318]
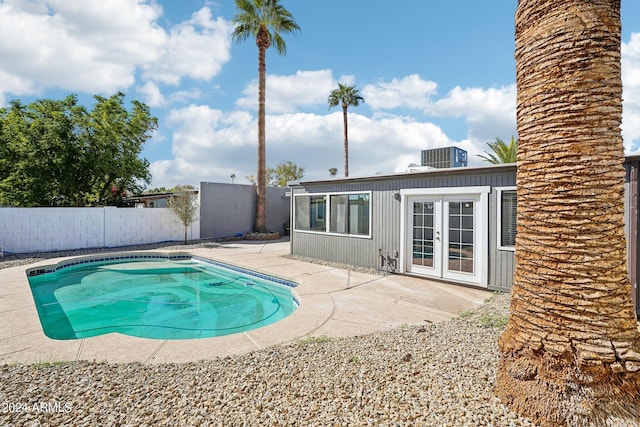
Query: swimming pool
[154, 295]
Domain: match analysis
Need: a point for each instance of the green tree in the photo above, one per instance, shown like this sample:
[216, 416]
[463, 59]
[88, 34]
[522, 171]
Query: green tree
[346, 96]
[117, 137]
[502, 153]
[39, 145]
[56, 153]
[283, 173]
[266, 20]
[156, 190]
[333, 172]
[570, 354]
[184, 206]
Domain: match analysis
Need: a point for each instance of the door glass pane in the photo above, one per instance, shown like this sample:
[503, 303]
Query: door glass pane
[428, 251]
[466, 265]
[461, 237]
[466, 251]
[454, 251]
[467, 222]
[428, 219]
[417, 233]
[467, 208]
[428, 234]
[423, 234]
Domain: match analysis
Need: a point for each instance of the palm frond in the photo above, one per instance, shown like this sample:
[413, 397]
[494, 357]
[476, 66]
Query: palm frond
[269, 14]
[502, 153]
[344, 95]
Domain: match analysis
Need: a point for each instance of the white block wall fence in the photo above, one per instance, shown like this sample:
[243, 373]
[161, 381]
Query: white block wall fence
[25, 230]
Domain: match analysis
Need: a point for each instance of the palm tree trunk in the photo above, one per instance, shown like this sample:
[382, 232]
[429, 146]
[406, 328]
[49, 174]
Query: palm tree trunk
[263, 43]
[346, 141]
[570, 354]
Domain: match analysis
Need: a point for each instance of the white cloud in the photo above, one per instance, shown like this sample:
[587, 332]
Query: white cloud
[631, 93]
[287, 94]
[83, 46]
[379, 145]
[490, 113]
[151, 95]
[196, 49]
[98, 46]
[14, 84]
[410, 92]
[210, 145]
[347, 79]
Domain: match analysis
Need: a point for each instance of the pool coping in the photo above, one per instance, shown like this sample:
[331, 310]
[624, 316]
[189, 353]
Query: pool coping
[334, 302]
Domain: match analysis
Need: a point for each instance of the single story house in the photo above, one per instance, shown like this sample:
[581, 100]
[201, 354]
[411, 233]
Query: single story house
[453, 224]
[152, 200]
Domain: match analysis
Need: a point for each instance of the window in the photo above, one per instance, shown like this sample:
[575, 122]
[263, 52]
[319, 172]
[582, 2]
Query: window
[310, 213]
[335, 213]
[349, 214]
[507, 204]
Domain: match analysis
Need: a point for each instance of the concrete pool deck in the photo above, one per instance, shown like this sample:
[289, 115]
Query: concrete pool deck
[334, 302]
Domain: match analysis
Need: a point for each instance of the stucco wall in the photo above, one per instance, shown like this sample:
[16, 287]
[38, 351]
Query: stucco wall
[24, 230]
[225, 210]
[229, 209]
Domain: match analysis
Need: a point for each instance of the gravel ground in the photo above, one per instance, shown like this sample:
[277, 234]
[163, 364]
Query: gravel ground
[427, 375]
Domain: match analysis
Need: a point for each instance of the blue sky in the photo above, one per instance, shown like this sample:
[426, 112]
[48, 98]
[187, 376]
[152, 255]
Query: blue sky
[432, 74]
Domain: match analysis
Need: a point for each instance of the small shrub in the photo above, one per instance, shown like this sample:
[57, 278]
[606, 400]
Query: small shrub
[488, 320]
[466, 314]
[495, 294]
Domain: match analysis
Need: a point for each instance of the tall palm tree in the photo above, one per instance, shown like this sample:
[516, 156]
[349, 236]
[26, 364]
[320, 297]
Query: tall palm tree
[570, 354]
[346, 96]
[333, 172]
[265, 20]
[502, 153]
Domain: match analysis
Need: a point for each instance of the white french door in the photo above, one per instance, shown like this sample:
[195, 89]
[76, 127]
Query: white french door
[445, 235]
[426, 237]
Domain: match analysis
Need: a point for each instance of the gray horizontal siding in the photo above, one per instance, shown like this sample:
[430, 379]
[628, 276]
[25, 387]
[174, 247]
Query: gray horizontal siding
[385, 219]
[363, 252]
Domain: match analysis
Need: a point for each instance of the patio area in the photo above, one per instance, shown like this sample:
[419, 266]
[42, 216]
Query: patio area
[333, 301]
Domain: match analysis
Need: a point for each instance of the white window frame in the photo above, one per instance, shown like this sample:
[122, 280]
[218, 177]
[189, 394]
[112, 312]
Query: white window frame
[328, 213]
[499, 191]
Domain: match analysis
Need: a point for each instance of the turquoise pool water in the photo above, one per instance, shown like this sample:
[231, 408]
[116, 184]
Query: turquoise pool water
[155, 296]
